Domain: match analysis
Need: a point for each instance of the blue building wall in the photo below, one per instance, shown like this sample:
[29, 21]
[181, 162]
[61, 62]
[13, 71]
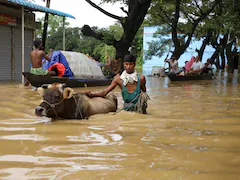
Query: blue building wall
[156, 61]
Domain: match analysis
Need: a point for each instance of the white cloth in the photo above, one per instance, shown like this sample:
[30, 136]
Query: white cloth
[209, 66]
[197, 65]
[129, 78]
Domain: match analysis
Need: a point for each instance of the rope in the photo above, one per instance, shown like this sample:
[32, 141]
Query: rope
[127, 106]
[78, 107]
[53, 106]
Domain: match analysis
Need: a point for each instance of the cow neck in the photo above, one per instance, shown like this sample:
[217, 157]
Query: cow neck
[78, 108]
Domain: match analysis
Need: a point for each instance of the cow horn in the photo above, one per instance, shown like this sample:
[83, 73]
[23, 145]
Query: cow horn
[45, 86]
[40, 91]
[68, 93]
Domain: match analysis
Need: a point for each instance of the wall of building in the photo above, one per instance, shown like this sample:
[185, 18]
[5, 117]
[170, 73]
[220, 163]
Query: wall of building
[11, 43]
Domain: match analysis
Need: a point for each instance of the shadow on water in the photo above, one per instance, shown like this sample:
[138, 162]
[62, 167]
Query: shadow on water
[191, 132]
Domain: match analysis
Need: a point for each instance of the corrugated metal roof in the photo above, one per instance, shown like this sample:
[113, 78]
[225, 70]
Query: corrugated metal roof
[36, 7]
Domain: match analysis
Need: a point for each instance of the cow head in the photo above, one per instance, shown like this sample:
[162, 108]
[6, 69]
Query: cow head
[54, 96]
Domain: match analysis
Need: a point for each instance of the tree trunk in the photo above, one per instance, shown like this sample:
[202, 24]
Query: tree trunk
[204, 44]
[136, 13]
[223, 42]
[229, 57]
[217, 63]
[44, 35]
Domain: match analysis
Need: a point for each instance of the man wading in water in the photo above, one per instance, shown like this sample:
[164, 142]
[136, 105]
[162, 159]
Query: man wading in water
[133, 87]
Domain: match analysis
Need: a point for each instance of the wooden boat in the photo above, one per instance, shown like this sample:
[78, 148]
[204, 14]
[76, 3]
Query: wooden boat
[191, 77]
[38, 81]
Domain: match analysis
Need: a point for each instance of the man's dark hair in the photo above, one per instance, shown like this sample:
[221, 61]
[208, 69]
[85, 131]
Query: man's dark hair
[96, 58]
[37, 43]
[129, 58]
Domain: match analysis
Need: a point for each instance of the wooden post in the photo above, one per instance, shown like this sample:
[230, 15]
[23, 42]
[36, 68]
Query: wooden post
[63, 33]
[44, 35]
[22, 43]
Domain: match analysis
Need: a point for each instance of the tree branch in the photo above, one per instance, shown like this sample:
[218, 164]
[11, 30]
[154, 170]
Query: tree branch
[165, 13]
[196, 3]
[122, 8]
[163, 17]
[188, 17]
[103, 11]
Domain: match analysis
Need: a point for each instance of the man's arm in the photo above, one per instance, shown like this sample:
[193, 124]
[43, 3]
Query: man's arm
[143, 83]
[47, 57]
[106, 91]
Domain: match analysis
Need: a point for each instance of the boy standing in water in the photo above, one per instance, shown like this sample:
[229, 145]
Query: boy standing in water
[36, 60]
[133, 87]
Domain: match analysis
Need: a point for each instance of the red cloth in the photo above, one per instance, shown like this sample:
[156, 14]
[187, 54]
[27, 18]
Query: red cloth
[60, 68]
[189, 64]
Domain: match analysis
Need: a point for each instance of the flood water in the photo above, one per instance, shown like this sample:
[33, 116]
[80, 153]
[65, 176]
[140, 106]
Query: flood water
[192, 131]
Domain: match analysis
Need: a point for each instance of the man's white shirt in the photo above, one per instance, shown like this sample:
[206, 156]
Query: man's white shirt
[197, 65]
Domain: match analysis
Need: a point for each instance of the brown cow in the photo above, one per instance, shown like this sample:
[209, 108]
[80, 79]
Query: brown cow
[60, 102]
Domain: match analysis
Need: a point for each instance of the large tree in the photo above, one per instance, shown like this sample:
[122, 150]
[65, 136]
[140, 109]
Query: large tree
[135, 13]
[181, 19]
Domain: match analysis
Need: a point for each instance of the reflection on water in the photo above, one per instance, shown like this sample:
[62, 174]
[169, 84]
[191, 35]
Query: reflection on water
[191, 132]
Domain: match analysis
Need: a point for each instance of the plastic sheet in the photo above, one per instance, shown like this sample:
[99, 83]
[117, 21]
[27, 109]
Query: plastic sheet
[82, 66]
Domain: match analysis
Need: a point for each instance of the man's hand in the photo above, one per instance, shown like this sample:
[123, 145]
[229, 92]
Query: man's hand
[89, 94]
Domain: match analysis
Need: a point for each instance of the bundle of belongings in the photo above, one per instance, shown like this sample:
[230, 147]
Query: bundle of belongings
[58, 64]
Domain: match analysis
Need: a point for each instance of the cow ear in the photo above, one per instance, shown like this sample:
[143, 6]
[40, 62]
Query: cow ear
[68, 93]
[40, 91]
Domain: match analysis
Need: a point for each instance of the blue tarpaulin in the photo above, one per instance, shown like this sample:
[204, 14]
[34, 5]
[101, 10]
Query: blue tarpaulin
[59, 57]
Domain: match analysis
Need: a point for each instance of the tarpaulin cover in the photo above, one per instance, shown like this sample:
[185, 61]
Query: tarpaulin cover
[82, 66]
[59, 57]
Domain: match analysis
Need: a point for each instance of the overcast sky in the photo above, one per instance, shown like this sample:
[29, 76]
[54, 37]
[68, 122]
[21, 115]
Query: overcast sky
[83, 12]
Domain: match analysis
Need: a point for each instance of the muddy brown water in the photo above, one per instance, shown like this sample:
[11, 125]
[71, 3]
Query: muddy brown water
[192, 131]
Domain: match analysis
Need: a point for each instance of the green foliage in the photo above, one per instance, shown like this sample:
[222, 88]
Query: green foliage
[54, 23]
[103, 51]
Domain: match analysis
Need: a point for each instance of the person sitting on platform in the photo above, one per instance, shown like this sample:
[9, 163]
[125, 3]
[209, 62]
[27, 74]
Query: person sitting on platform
[36, 60]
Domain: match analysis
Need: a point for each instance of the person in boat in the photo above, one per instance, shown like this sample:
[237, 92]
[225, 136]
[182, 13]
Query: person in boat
[207, 66]
[115, 65]
[174, 69]
[98, 61]
[132, 85]
[36, 60]
[173, 64]
[196, 67]
[188, 65]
